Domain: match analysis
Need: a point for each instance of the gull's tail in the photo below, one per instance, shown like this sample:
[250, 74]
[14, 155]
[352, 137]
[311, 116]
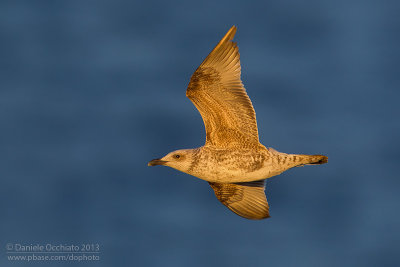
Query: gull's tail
[317, 159]
[288, 161]
[296, 160]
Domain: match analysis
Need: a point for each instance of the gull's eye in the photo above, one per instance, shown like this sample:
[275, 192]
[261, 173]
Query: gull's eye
[177, 156]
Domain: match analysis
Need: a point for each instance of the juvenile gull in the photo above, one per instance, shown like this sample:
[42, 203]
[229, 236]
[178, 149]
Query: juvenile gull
[232, 161]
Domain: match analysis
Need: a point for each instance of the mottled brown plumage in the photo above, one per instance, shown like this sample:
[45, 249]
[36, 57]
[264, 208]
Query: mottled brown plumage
[232, 160]
[245, 199]
[218, 93]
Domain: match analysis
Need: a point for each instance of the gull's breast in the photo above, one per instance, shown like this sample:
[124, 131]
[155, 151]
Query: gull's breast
[228, 166]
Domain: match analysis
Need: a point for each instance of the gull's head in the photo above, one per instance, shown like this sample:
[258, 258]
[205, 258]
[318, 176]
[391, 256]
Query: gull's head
[179, 159]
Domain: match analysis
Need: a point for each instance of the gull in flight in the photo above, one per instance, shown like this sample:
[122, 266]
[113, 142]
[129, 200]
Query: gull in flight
[232, 161]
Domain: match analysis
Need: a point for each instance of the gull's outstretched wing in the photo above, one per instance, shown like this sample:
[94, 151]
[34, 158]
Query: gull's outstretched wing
[245, 199]
[218, 93]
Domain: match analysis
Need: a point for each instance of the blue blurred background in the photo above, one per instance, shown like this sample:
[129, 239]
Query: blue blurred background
[90, 91]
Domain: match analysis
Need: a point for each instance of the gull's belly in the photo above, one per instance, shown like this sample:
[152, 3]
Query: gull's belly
[242, 166]
[227, 174]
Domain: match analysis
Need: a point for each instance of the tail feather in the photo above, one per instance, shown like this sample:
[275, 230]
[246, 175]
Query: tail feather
[297, 160]
[318, 159]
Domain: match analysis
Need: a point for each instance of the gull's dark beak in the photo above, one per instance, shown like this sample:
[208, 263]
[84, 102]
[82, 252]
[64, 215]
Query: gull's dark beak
[155, 162]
